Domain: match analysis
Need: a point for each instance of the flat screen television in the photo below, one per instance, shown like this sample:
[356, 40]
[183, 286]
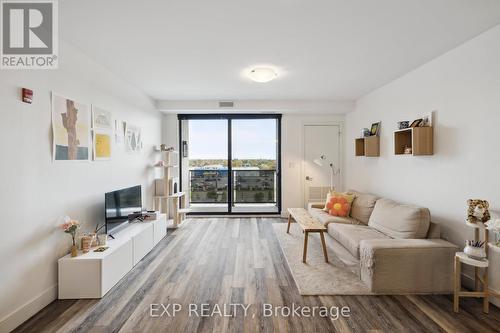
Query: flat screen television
[119, 205]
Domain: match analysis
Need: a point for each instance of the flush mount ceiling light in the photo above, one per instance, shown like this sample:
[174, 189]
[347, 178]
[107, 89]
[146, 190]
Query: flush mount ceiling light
[262, 74]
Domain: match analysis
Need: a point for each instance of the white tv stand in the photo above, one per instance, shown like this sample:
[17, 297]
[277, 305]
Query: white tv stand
[93, 274]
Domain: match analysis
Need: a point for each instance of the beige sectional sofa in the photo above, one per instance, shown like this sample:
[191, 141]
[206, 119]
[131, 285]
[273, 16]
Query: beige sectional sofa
[399, 249]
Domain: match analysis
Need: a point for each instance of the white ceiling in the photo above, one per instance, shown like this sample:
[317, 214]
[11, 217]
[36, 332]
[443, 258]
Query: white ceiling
[322, 49]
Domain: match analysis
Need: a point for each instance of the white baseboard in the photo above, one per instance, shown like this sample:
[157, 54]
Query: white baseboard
[468, 281]
[26, 311]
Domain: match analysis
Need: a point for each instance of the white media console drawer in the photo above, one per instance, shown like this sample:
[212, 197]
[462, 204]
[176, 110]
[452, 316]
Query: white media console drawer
[93, 274]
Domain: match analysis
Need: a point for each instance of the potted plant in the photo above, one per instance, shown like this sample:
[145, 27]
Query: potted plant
[475, 249]
[70, 227]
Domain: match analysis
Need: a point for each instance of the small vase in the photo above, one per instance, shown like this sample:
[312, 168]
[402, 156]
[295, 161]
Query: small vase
[93, 241]
[103, 239]
[74, 251]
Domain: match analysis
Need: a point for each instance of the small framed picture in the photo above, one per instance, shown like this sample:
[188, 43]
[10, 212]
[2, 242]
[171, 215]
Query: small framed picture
[416, 122]
[375, 129]
[426, 120]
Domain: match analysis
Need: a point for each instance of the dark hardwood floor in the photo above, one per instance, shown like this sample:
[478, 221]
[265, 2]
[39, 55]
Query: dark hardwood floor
[232, 260]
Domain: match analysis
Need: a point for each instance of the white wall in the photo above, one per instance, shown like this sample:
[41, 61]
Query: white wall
[291, 147]
[463, 86]
[276, 106]
[293, 155]
[35, 192]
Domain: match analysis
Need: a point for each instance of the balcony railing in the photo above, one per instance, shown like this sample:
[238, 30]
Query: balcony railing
[249, 186]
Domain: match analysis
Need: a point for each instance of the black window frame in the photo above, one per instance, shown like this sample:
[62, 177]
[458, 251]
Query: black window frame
[229, 117]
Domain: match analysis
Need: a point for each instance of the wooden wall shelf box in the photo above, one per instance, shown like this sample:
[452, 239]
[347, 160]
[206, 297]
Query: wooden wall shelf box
[368, 146]
[420, 139]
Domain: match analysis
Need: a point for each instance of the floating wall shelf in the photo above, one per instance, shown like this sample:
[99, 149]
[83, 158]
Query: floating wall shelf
[420, 139]
[368, 146]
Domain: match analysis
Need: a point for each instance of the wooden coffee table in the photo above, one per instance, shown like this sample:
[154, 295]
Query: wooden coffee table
[308, 224]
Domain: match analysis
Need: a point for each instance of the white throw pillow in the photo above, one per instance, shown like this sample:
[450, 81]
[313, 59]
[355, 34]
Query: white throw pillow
[328, 197]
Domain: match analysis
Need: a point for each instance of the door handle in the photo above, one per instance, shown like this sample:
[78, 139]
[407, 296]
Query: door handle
[309, 178]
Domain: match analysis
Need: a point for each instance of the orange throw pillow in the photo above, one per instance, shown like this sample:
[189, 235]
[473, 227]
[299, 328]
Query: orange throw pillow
[340, 204]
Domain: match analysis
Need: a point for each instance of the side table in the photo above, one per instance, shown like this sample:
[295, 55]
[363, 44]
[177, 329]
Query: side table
[462, 258]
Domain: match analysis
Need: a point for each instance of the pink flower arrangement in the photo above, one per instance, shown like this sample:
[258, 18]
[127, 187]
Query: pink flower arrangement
[70, 226]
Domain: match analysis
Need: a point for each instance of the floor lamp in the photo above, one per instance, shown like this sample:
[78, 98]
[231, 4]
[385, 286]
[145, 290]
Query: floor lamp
[320, 161]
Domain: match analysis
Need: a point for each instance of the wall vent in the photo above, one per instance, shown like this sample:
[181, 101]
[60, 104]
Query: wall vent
[318, 193]
[225, 104]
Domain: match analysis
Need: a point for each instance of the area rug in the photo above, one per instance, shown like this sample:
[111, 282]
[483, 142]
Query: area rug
[340, 276]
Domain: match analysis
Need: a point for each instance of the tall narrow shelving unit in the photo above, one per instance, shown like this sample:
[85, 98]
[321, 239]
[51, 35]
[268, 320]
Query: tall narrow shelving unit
[163, 190]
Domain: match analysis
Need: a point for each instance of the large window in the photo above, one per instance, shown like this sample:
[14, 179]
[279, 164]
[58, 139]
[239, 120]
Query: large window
[231, 163]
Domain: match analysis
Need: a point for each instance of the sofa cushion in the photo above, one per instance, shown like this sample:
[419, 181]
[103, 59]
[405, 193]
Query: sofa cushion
[326, 218]
[350, 236]
[362, 206]
[328, 197]
[399, 220]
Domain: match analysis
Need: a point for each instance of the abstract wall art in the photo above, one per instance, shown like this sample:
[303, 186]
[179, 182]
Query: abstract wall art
[101, 118]
[102, 145]
[70, 129]
[133, 138]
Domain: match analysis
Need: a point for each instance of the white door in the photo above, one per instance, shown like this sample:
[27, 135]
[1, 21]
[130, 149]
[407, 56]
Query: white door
[320, 140]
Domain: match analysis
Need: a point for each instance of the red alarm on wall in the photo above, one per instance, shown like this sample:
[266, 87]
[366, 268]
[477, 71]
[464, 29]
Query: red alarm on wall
[27, 95]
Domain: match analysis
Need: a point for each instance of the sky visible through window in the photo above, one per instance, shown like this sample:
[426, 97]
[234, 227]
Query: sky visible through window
[252, 139]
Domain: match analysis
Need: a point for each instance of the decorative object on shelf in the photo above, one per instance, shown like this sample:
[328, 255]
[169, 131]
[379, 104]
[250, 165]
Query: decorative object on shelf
[320, 161]
[403, 124]
[408, 150]
[70, 227]
[475, 249]
[416, 122]
[70, 129]
[173, 185]
[426, 120]
[150, 215]
[160, 164]
[375, 129]
[93, 242]
[86, 243]
[477, 211]
[101, 249]
[103, 239]
[365, 132]
[163, 147]
[494, 226]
